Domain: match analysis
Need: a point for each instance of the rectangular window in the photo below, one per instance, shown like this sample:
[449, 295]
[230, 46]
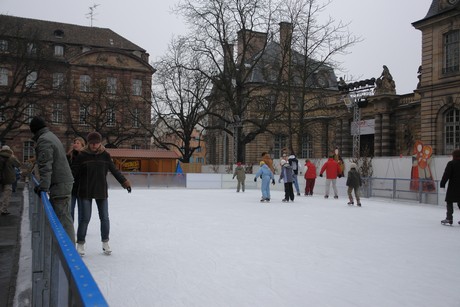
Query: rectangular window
[452, 51]
[137, 87]
[3, 45]
[84, 114]
[29, 151]
[135, 123]
[85, 83]
[134, 146]
[111, 85]
[58, 80]
[3, 76]
[59, 50]
[280, 143]
[31, 49]
[31, 79]
[307, 147]
[57, 113]
[110, 116]
[29, 113]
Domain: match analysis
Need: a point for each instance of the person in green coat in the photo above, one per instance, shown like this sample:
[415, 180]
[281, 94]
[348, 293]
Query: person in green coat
[240, 174]
[353, 183]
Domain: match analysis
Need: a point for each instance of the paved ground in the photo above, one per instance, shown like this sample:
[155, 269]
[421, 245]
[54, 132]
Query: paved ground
[10, 230]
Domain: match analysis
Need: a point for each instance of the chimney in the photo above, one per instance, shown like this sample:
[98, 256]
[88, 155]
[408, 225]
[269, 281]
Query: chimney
[285, 35]
[250, 43]
[228, 56]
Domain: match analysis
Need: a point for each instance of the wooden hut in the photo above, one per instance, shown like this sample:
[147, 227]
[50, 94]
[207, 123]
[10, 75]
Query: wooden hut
[144, 160]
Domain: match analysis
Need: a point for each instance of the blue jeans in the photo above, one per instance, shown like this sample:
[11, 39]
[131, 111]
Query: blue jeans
[296, 184]
[85, 206]
[74, 201]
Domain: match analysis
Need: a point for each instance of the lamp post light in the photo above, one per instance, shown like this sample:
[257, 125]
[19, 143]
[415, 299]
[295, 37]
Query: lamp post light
[355, 98]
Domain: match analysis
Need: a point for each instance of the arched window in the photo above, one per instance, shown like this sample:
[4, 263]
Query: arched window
[307, 147]
[452, 130]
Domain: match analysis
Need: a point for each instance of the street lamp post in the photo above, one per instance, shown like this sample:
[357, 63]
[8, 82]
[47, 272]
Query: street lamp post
[355, 98]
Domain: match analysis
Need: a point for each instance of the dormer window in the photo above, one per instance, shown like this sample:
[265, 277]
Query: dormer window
[58, 33]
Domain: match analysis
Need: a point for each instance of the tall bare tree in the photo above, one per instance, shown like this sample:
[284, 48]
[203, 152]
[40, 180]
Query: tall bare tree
[179, 98]
[25, 82]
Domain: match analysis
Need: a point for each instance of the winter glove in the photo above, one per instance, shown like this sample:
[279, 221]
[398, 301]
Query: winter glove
[321, 175]
[38, 190]
[127, 185]
[255, 179]
[273, 181]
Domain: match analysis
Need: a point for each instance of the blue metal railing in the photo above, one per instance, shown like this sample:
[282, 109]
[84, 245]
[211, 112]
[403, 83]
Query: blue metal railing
[60, 277]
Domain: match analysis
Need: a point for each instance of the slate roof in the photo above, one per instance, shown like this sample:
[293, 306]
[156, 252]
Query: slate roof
[435, 9]
[142, 153]
[71, 34]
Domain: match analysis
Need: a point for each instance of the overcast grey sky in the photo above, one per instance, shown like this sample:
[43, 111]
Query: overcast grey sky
[385, 27]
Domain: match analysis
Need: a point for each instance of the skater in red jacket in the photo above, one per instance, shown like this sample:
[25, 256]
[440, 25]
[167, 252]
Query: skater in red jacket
[310, 177]
[333, 170]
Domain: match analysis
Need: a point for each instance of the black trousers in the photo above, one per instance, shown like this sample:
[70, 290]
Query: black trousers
[288, 191]
[450, 210]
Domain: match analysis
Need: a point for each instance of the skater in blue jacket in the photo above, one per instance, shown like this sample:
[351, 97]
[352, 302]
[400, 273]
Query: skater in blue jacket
[266, 174]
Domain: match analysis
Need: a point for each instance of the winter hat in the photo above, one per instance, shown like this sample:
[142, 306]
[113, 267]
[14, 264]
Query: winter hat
[261, 163]
[239, 163]
[94, 137]
[353, 165]
[36, 124]
[6, 148]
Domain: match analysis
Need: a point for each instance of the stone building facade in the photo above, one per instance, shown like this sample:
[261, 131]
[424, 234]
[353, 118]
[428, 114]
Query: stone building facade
[79, 79]
[390, 123]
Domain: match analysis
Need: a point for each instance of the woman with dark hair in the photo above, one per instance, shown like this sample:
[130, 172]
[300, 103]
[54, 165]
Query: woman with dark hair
[77, 146]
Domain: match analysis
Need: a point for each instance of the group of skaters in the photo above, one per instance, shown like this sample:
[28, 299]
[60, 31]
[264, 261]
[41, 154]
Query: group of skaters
[333, 168]
[69, 178]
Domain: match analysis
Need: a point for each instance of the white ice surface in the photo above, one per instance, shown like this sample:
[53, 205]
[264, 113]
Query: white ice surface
[183, 247]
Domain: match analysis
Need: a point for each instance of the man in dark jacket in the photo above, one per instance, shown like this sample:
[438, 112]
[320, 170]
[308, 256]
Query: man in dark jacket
[8, 163]
[55, 173]
[452, 174]
[90, 169]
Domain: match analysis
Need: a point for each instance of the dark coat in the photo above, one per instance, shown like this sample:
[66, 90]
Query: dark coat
[90, 171]
[452, 174]
[353, 179]
[294, 163]
[8, 163]
[71, 157]
[54, 170]
[287, 174]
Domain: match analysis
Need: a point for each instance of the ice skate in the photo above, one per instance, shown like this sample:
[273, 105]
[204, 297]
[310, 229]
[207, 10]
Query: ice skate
[350, 203]
[81, 249]
[359, 204]
[326, 196]
[106, 248]
[447, 222]
[285, 200]
[336, 197]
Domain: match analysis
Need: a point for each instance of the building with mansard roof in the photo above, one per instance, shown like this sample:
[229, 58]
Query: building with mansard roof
[389, 124]
[78, 78]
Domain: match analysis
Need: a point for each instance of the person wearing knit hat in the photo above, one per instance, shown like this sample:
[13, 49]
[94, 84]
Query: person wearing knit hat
[354, 182]
[94, 138]
[55, 173]
[240, 174]
[8, 163]
[451, 175]
[90, 170]
[36, 124]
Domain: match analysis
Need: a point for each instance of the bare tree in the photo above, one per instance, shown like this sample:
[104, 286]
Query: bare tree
[267, 83]
[241, 106]
[25, 81]
[309, 67]
[179, 98]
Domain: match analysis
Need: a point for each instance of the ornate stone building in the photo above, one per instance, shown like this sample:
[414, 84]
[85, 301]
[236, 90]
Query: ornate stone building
[78, 78]
[390, 124]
